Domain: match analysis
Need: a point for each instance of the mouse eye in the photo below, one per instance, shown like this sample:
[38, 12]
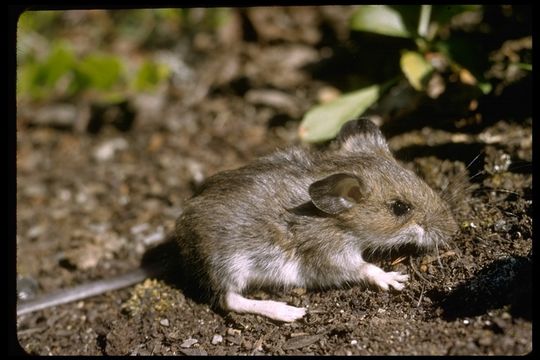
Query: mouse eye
[400, 208]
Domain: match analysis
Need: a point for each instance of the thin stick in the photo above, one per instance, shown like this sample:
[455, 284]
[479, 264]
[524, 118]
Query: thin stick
[421, 296]
[416, 271]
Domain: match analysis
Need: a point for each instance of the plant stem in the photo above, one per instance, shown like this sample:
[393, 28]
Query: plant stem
[423, 22]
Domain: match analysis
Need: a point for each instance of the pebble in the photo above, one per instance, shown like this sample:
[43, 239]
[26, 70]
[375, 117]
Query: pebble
[486, 339]
[27, 288]
[164, 322]
[60, 116]
[139, 228]
[298, 291]
[300, 342]
[36, 231]
[233, 332]
[155, 237]
[189, 343]
[234, 339]
[501, 225]
[194, 352]
[196, 171]
[106, 150]
[327, 94]
[272, 98]
[217, 339]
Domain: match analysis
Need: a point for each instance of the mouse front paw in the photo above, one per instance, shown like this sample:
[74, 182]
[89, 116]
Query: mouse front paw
[283, 312]
[384, 279]
[394, 279]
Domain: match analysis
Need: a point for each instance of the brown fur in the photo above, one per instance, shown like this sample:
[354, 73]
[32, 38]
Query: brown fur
[263, 211]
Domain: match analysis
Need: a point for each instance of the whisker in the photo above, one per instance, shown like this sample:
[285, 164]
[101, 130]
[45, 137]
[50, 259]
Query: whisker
[473, 160]
[481, 172]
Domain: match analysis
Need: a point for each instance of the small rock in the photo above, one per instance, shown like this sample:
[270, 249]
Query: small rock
[155, 237]
[194, 352]
[139, 228]
[196, 171]
[106, 150]
[486, 339]
[298, 291]
[248, 345]
[61, 116]
[435, 86]
[234, 339]
[164, 322]
[217, 339]
[189, 343]
[272, 98]
[233, 332]
[27, 288]
[36, 231]
[300, 342]
[501, 225]
[327, 94]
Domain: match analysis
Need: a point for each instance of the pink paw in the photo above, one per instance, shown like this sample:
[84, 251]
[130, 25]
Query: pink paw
[394, 279]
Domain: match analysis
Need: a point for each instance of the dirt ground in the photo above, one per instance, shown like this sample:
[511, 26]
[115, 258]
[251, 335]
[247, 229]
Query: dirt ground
[95, 195]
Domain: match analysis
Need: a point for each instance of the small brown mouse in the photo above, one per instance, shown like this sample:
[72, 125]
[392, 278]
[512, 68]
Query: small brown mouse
[306, 218]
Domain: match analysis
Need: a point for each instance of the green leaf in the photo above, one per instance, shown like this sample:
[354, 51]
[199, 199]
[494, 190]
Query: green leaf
[323, 122]
[485, 87]
[380, 19]
[524, 66]
[58, 63]
[99, 71]
[39, 78]
[150, 75]
[415, 68]
[39, 21]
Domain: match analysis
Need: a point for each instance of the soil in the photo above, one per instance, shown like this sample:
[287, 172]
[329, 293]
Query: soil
[96, 195]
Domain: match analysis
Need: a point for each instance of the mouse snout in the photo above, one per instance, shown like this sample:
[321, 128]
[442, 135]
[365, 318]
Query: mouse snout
[439, 226]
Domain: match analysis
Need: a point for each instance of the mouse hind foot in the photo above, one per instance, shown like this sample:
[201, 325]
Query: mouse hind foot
[272, 309]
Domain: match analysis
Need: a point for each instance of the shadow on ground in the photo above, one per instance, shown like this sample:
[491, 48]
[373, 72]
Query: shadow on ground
[503, 282]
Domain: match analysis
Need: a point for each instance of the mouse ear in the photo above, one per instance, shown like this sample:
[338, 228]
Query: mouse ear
[336, 193]
[361, 135]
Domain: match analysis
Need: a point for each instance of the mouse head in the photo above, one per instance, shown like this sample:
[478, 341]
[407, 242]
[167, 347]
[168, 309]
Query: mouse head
[384, 205]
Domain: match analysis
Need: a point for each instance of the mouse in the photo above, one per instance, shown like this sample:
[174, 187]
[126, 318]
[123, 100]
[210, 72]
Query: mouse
[304, 217]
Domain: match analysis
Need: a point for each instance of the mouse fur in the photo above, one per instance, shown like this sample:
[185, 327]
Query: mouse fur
[305, 218]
